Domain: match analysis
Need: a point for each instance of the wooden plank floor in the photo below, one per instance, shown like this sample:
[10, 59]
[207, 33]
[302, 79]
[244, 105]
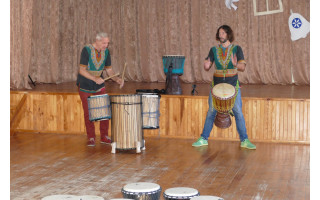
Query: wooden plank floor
[48, 164]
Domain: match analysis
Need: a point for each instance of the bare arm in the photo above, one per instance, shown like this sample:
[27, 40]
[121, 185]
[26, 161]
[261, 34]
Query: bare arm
[239, 66]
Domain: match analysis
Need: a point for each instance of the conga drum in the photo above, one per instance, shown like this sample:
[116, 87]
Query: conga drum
[126, 122]
[180, 193]
[204, 197]
[223, 99]
[150, 111]
[99, 107]
[142, 191]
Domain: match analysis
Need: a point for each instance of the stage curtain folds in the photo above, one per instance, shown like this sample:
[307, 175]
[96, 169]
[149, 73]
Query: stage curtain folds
[47, 38]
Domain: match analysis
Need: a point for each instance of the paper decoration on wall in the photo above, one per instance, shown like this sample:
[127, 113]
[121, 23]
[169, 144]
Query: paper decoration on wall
[229, 4]
[298, 25]
[267, 12]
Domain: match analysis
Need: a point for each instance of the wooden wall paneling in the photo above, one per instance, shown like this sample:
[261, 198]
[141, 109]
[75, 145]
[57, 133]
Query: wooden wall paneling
[289, 118]
[271, 120]
[308, 124]
[302, 121]
[297, 120]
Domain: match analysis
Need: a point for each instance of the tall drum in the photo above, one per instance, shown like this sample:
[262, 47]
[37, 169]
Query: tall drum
[126, 122]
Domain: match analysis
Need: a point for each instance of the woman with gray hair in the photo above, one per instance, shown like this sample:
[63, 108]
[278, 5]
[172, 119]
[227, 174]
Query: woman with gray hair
[95, 58]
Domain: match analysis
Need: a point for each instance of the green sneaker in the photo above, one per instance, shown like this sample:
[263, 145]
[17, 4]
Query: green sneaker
[200, 142]
[247, 144]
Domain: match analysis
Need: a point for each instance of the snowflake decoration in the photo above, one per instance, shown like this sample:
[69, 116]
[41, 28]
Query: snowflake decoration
[296, 23]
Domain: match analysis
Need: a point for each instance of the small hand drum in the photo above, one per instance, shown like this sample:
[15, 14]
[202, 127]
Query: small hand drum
[142, 191]
[223, 99]
[180, 193]
[206, 198]
[176, 61]
[99, 107]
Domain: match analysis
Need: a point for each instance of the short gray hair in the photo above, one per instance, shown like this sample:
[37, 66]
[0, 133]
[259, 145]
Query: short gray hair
[101, 35]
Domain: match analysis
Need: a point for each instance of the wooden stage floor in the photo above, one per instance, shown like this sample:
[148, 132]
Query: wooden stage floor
[51, 164]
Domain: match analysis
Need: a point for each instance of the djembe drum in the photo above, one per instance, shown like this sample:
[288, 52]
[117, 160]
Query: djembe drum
[126, 122]
[142, 191]
[173, 68]
[223, 99]
[180, 193]
[99, 107]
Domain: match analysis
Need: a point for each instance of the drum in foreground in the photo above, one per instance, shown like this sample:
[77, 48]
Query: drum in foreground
[60, 197]
[99, 107]
[90, 197]
[223, 99]
[178, 193]
[142, 191]
[150, 111]
[126, 122]
[204, 197]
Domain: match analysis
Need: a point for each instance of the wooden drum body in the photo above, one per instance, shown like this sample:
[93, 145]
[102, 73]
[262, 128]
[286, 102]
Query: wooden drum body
[150, 111]
[99, 107]
[223, 99]
[126, 122]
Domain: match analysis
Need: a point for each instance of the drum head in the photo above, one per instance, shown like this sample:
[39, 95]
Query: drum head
[61, 197]
[90, 197]
[101, 95]
[223, 90]
[141, 187]
[121, 199]
[206, 198]
[181, 192]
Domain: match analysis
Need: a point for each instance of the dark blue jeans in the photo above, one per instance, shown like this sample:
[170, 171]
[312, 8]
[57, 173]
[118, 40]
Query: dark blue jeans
[237, 111]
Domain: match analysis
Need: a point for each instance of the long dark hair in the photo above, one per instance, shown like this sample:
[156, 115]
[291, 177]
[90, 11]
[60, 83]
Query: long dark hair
[229, 32]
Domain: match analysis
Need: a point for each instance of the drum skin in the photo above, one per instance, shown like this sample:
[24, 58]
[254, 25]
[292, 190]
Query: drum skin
[180, 193]
[142, 191]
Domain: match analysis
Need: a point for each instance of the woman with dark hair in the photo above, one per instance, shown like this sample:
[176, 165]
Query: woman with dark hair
[228, 59]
